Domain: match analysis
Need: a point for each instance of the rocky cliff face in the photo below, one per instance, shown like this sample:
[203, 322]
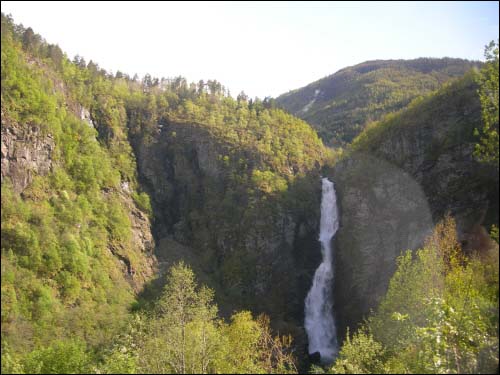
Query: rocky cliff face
[140, 266]
[402, 178]
[384, 211]
[26, 152]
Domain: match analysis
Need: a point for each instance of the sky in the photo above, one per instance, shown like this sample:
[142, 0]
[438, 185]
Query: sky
[265, 48]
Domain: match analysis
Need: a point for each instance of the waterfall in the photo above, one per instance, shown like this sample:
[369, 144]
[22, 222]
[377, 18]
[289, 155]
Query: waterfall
[319, 320]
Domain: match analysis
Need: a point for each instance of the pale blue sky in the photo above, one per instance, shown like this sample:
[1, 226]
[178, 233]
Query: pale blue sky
[263, 48]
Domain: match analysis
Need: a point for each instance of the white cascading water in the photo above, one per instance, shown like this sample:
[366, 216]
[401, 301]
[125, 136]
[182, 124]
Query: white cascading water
[319, 320]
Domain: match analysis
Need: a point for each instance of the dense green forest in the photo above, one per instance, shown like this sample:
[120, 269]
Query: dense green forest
[66, 293]
[340, 106]
[160, 226]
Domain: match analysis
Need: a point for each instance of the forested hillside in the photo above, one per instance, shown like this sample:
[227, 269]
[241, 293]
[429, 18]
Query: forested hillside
[228, 193]
[341, 105]
[75, 245]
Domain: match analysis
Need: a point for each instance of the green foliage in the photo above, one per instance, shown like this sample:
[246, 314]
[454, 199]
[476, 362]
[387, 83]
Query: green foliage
[185, 335]
[487, 148]
[143, 202]
[359, 355]
[119, 361]
[11, 363]
[268, 182]
[62, 357]
[59, 279]
[242, 347]
[426, 111]
[494, 233]
[22, 95]
[440, 315]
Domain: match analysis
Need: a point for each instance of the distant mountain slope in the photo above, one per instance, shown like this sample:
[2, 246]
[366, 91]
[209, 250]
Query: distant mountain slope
[339, 106]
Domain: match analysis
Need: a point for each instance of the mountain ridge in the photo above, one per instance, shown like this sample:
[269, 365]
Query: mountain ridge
[340, 105]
